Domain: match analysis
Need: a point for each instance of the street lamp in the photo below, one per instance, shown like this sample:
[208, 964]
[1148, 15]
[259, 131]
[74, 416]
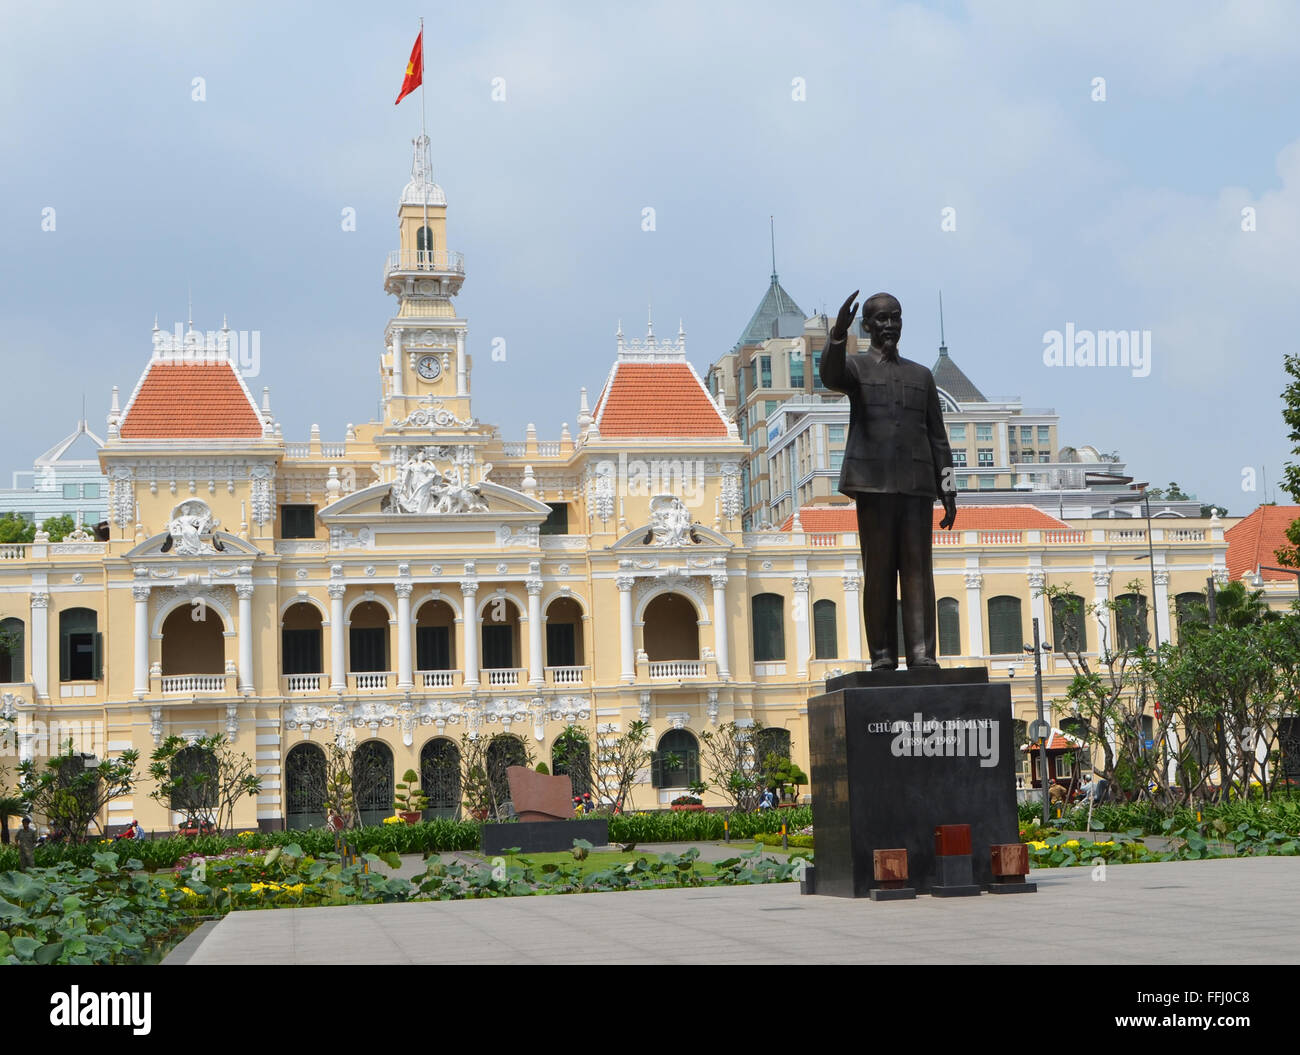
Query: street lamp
[1037, 649]
[1145, 499]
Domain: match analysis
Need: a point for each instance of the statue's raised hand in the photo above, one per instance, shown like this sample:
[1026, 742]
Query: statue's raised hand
[844, 320]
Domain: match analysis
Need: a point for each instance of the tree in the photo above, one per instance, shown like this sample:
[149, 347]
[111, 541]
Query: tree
[71, 789]
[571, 755]
[204, 780]
[619, 762]
[14, 528]
[338, 800]
[1110, 698]
[10, 806]
[733, 764]
[1289, 556]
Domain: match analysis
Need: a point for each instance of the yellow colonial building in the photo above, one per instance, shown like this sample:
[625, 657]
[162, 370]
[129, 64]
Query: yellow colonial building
[424, 578]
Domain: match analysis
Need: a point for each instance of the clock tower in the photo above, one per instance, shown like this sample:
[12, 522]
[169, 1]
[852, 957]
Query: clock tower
[424, 363]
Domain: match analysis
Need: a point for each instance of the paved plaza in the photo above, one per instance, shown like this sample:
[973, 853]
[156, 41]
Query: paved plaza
[1224, 911]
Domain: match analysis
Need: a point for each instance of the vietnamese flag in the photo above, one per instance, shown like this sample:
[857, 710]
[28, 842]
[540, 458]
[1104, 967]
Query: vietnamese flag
[414, 69]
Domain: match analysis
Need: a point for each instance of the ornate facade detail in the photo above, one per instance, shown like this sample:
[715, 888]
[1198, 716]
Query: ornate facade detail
[645, 706]
[600, 494]
[244, 591]
[403, 589]
[362, 538]
[141, 593]
[189, 531]
[336, 590]
[801, 583]
[623, 582]
[525, 536]
[232, 720]
[40, 599]
[469, 587]
[423, 489]
[1037, 579]
[670, 523]
[534, 586]
[373, 715]
[261, 493]
[122, 486]
[974, 580]
[852, 582]
[307, 717]
[538, 709]
[719, 580]
[712, 707]
[732, 503]
[1161, 577]
[570, 709]
[1101, 578]
[155, 725]
[433, 414]
[678, 719]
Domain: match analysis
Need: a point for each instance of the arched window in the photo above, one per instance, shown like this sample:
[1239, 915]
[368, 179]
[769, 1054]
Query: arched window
[435, 627]
[571, 757]
[194, 774]
[1131, 622]
[1190, 608]
[300, 639]
[772, 741]
[440, 777]
[949, 627]
[563, 633]
[675, 763]
[304, 787]
[368, 638]
[81, 645]
[671, 629]
[1069, 624]
[500, 636]
[424, 246]
[504, 751]
[769, 627]
[372, 781]
[11, 650]
[193, 645]
[824, 636]
[1005, 635]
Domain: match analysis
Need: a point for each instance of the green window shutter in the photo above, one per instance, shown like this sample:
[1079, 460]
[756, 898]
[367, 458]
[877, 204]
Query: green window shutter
[656, 770]
[99, 655]
[824, 634]
[949, 627]
[65, 657]
[1005, 635]
[769, 631]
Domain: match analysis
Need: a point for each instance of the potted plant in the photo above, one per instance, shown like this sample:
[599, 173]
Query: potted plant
[409, 801]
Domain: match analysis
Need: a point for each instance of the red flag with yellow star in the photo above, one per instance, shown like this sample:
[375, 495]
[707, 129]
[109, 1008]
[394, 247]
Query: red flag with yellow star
[414, 69]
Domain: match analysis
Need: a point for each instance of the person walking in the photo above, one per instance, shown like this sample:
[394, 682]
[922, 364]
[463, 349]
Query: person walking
[26, 840]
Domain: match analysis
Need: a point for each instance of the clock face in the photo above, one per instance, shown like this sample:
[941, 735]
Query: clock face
[429, 367]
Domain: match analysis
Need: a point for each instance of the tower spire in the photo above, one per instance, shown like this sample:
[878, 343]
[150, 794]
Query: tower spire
[943, 345]
[771, 226]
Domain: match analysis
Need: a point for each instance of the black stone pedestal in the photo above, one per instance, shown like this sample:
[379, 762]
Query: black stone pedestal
[902, 893]
[1013, 888]
[539, 837]
[894, 755]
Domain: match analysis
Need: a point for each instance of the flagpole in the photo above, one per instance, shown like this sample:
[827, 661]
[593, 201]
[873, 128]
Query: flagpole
[424, 145]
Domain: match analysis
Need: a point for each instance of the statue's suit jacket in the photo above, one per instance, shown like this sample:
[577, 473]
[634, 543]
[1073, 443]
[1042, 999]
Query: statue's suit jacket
[897, 443]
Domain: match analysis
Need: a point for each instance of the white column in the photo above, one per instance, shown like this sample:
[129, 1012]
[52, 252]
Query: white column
[462, 368]
[1101, 595]
[627, 660]
[1162, 604]
[536, 675]
[399, 370]
[141, 644]
[720, 648]
[469, 592]
[975, 613]
[41, 643]
[853, 614]
[1037, 603]
[801, 584]
[338, 668]
[405, 679]
[245, 634]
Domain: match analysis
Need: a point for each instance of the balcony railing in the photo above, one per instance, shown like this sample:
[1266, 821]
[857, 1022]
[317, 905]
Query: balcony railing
[503, 675]
[303, 682]
[425, 260]
[436, 679]
[677, 669]
[13, 551]
[566, 675]
[189, 684]
[370, 680]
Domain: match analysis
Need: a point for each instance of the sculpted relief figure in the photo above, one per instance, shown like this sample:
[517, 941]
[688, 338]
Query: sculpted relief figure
[897, 463]
[190, 522]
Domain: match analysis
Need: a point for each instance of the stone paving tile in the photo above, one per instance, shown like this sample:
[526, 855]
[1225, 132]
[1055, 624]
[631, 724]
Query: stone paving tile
[1242, 911]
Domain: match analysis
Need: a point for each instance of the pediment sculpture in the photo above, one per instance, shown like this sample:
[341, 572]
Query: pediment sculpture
[422, 488]
[670, 523]
[190, 530]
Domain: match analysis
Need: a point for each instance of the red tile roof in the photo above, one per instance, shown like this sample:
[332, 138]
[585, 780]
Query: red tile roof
[176, 399]
[1253, 541]
[816, 519]
[657, 399]
[1059, 741]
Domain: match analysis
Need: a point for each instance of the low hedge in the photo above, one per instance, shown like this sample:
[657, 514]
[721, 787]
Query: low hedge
[1278, 814]
[803, 842]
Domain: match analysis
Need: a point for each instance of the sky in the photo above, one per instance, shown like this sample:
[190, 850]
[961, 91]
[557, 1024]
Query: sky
[1098, 166]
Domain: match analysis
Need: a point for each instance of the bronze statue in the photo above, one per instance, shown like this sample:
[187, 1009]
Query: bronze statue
[897, 462]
